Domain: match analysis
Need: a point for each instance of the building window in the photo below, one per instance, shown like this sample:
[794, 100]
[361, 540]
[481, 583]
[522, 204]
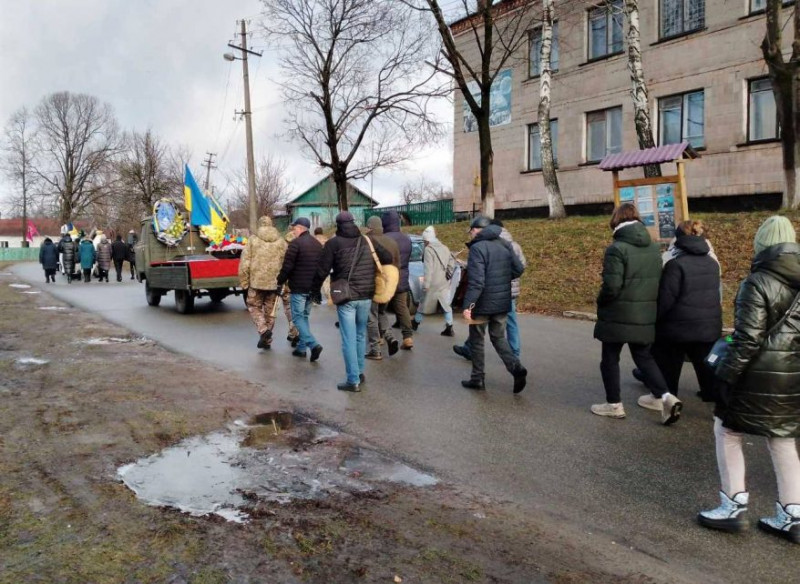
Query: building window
[535, 145]
[761, 5]
[535, 56]
[605, 30]
[762, 113]
[603, 133]
[681, 118]
[682, 16]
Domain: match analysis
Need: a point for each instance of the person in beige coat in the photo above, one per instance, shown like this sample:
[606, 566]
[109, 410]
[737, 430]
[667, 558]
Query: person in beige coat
[259, 266]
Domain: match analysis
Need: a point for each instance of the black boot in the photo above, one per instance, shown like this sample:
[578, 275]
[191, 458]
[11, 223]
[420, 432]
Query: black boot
[414, 324]
[448, 331]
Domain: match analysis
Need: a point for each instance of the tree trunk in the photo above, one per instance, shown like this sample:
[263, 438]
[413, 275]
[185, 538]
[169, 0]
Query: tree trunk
[784, 87]
[487, 164]
[554, 200]
[340, 179]
[639, 94]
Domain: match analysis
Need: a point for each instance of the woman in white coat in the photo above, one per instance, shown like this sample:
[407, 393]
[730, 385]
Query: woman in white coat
[436, 286]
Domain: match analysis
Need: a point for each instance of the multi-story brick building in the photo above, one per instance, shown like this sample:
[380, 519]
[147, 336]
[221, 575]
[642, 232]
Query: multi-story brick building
[707, 83]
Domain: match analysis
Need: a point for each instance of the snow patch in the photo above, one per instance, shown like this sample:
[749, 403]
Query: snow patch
[18, 286]
[52, 308]
[31, 361]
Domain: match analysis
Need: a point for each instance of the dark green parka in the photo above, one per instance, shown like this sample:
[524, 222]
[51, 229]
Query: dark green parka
[627, 303]
[764, 371]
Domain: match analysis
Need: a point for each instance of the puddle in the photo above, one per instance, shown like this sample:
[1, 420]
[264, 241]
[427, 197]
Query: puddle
[18, 286]
[52, 308]
[274, 458]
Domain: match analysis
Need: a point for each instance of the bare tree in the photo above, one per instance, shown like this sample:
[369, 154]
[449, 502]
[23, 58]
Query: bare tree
[498, 30]
[419, 190]
[785, 86]
[639, 93]
[272, 189]
[352, 75]
[17, 163]
[77, 137]
[148, 171]
[554, 200]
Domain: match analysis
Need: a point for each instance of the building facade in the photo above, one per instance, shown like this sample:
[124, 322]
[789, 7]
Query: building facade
[320, 205]
[707, 83]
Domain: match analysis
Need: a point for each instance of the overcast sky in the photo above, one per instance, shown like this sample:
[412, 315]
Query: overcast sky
[159, 64]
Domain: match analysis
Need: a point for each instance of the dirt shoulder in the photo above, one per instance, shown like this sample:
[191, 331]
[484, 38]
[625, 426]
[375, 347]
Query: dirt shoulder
[69, 422]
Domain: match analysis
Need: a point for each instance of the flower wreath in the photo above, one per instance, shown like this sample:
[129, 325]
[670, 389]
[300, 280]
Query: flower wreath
[168, 223]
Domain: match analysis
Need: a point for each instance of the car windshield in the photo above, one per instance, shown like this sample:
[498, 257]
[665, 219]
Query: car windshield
[417, 249]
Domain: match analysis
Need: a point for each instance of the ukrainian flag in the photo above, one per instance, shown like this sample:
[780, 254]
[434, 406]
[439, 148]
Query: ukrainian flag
[195, 201]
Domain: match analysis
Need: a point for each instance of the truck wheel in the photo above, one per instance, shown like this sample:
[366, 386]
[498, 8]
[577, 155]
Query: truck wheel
[217, 296]
[184, 301]
[153, 296]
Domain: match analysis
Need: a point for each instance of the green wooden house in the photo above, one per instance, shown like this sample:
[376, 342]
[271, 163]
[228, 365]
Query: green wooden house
[319, 204]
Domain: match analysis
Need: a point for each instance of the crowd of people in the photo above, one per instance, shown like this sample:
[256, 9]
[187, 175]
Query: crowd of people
[83, 256]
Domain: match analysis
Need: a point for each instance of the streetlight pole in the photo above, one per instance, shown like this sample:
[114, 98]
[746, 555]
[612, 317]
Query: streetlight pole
[251, 164]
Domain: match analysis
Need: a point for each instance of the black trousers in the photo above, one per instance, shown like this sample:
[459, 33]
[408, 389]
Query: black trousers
[670, 357]
[609, 369]
[118, 268]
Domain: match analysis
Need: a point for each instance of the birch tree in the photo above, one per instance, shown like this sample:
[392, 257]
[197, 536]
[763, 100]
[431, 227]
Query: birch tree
[639, 94]
[554, 200]
[785, 85]
[77, 138]
[353, 74]
[498, 32]
[17, 163]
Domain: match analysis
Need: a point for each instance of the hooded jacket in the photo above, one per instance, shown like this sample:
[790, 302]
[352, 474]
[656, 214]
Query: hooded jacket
[391, 229]
[339, 254]
[505, 235]
[104, 254]
[436, 258]
[764, 371]
[262, 258]
[490, 268]
[689, 306]
[627, 302]
[48, 255]
[300, 263]
[68, 250]
[87, 254]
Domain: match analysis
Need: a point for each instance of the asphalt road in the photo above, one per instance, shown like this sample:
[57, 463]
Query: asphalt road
[630, 487]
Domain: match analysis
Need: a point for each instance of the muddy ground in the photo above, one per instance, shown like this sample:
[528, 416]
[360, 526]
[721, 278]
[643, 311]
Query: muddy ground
[67, 425]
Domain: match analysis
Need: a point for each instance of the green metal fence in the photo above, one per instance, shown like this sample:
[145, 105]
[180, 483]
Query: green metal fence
[427, 213]
[19, 254]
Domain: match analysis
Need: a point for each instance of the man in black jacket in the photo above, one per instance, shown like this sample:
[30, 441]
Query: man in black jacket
[299, 268]
[119, 252]
[399, 302]
[347, 257]
[490, 268]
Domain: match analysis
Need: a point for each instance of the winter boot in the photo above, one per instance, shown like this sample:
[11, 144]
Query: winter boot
[414, 324]
[785, 524]
[729, 516]
[448, 331]
[265, 340]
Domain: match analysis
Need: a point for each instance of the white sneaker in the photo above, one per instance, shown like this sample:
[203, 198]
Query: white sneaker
[609, 410]
[672, 409]
[651, 402]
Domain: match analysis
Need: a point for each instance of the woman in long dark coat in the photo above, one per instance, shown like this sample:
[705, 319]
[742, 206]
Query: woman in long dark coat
[759, 384]
[48, 257]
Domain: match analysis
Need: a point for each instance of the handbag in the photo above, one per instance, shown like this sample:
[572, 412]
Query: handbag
[341, 292]
[386, 278]
[450, 268]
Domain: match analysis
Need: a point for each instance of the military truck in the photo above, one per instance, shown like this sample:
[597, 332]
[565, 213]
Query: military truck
[184, 269]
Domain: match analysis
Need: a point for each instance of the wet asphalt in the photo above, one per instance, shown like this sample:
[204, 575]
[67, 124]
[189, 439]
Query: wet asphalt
[628, 489]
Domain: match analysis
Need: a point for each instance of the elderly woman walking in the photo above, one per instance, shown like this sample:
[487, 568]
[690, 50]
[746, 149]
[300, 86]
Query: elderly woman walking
[436, 285]
[758, 384]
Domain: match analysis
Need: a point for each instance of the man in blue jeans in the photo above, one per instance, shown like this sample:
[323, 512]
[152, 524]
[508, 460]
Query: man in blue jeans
[299, 269]
[512, 326]
[347, 257]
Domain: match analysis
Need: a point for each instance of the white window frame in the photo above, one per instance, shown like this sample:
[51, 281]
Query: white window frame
[684, 115]
[685, 7]
[750, 94]
[609, 147]
[611, 12]
[553, 137]
[535, 48]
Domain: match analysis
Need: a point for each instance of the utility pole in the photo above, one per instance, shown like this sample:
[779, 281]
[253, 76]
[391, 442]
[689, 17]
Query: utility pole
[251, 164]
[208, 163]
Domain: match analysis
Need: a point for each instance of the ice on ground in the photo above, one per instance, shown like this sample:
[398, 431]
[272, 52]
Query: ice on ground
[52, 308]
[105, 341]
[31, 361]
[32, 292]
[18, 286]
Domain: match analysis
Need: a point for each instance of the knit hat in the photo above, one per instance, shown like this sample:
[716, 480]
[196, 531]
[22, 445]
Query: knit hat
[777, 229]
[374, 225]
[344, 217]
[429, 234]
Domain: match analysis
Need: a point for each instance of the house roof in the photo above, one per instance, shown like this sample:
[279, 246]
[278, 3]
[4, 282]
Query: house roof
[657, 155]
[323, 194]
[44, 225]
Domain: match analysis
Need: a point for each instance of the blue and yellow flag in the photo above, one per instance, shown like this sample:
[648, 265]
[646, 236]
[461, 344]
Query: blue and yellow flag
[195, 201]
